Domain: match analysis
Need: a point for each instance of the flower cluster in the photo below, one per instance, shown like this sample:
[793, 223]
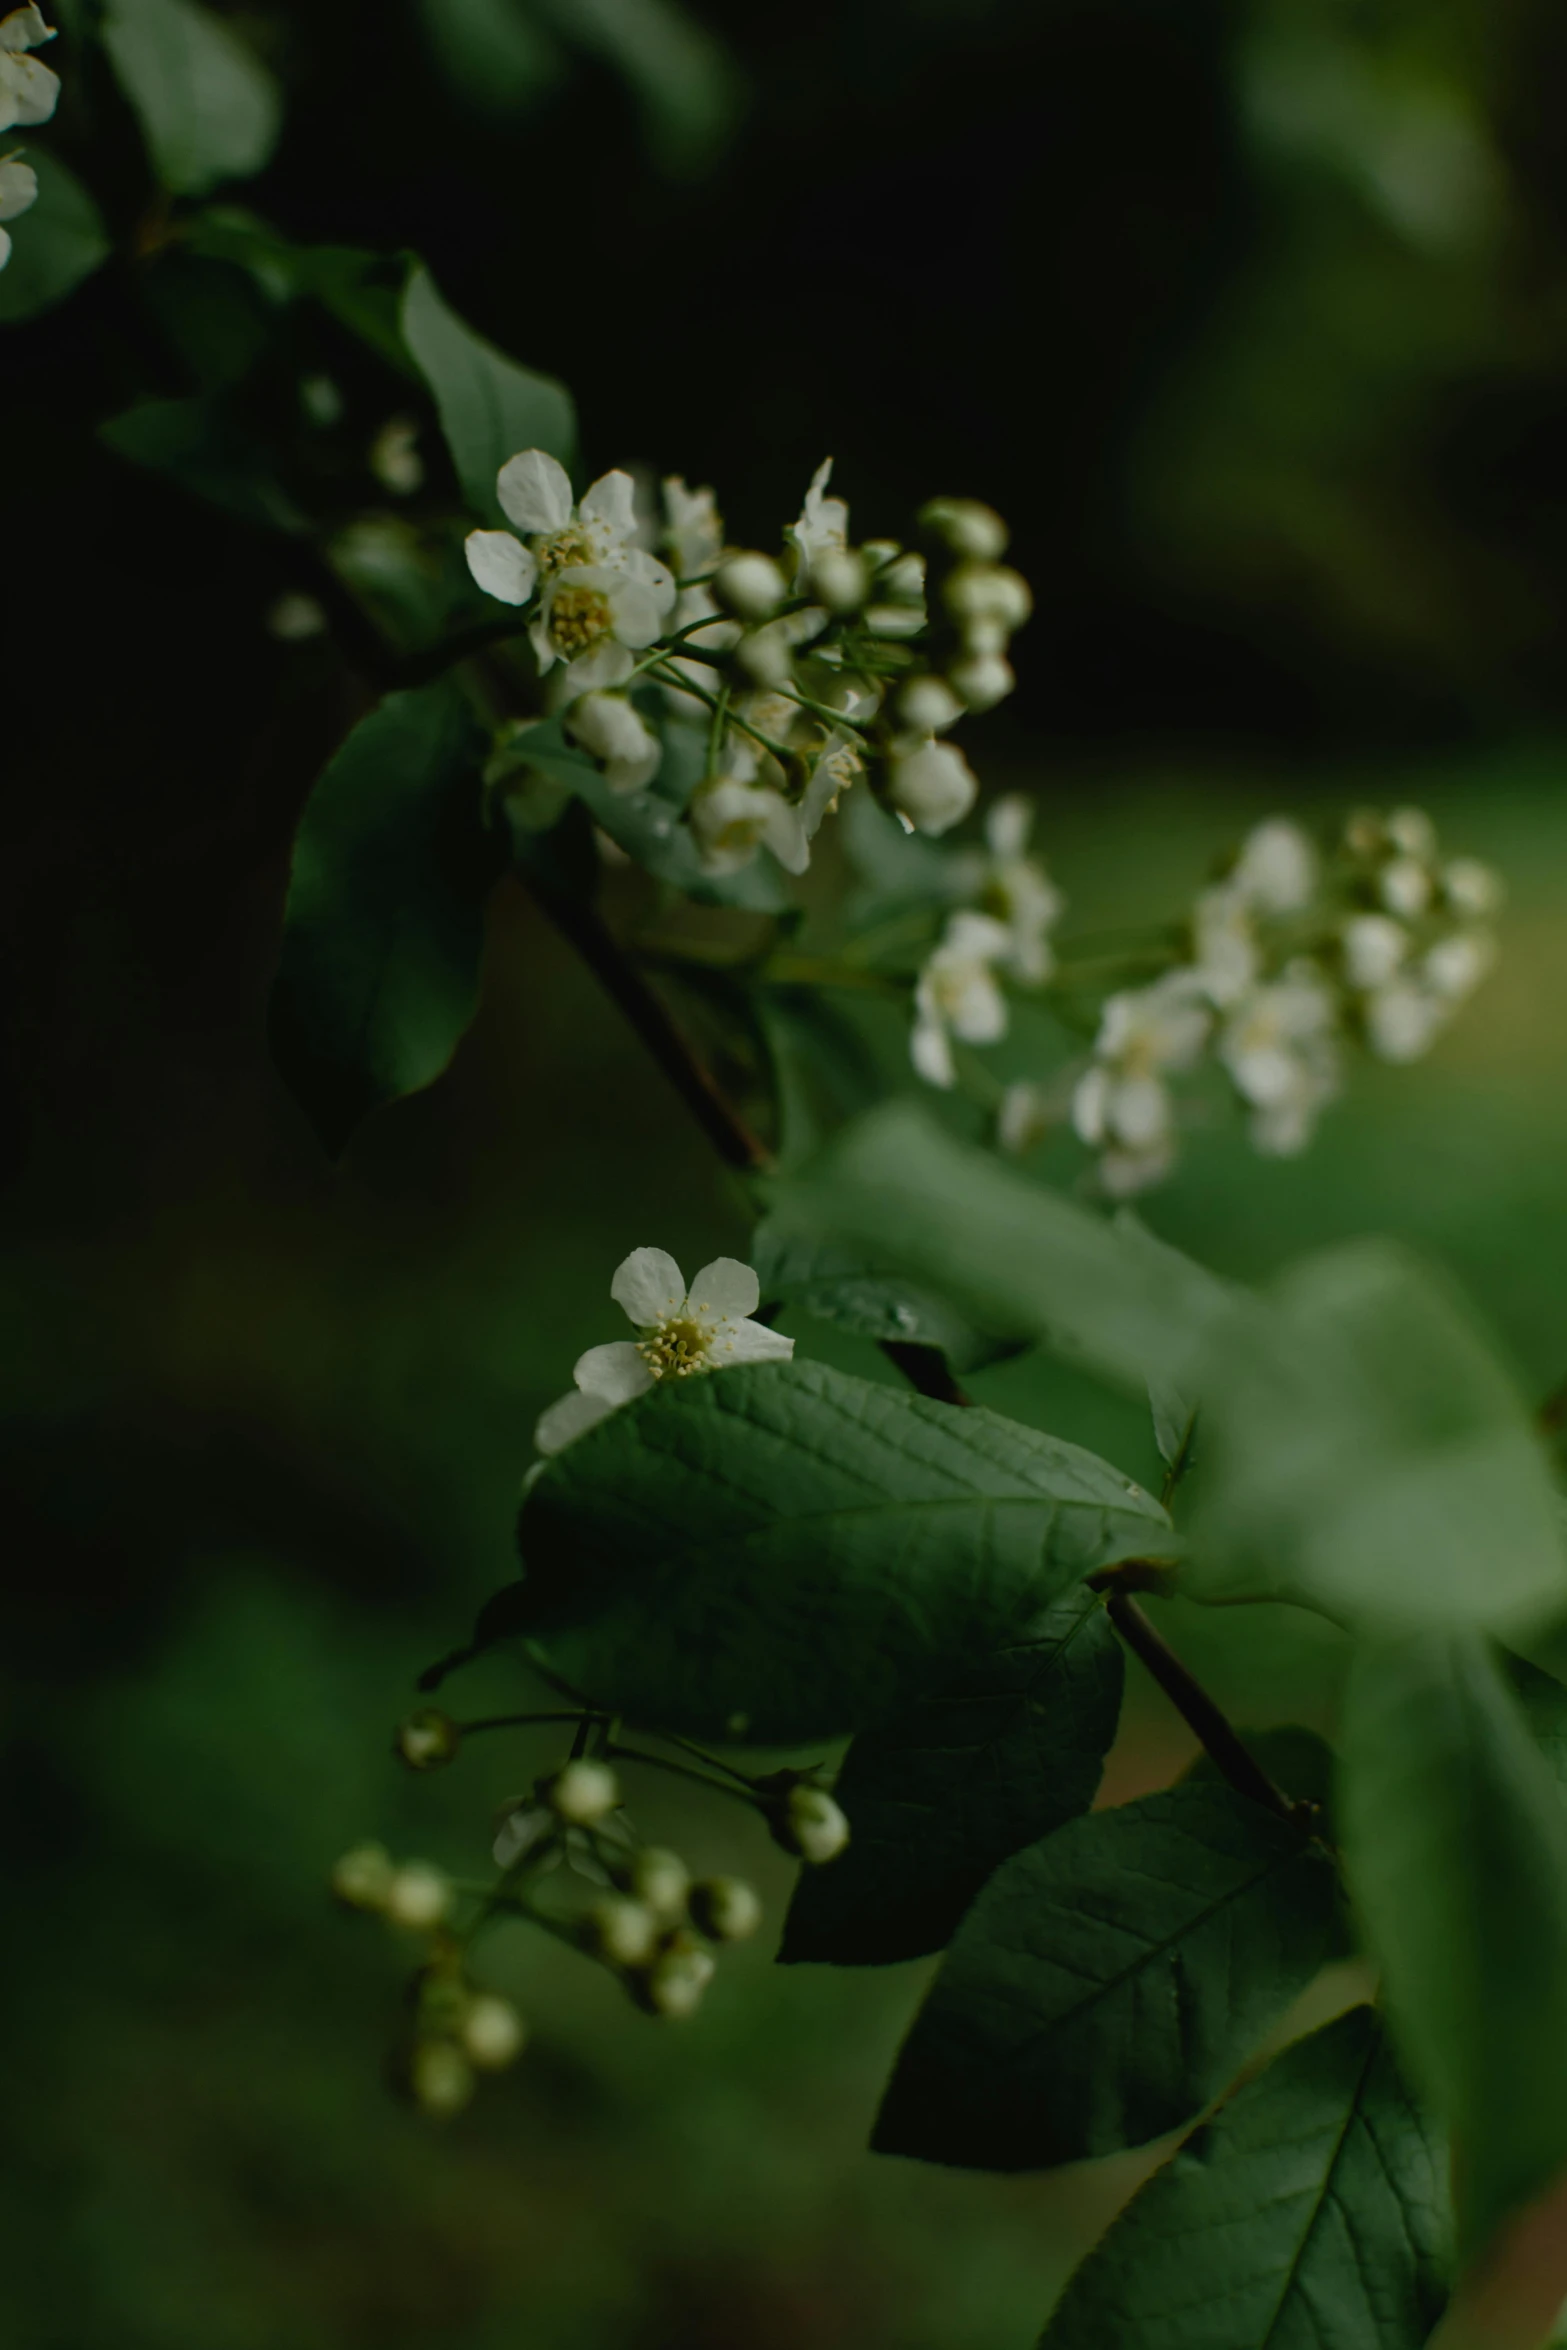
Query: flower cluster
[800, 673]
[681, 1333]
[29, 93]
[1006, 928]
[1290, 955]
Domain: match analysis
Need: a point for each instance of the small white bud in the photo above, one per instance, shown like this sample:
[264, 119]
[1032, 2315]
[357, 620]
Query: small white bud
[725, 1909]
[622, 1932]
[967, 527]
[1404, 886]
[880, 552]
[1455, 966]
[492, 2032]
[362, 1878]
[896, 621]
[581, 1793]
[295, 618]
[983, 679]
[839, 579]
[1365, 835]
[661, 1880]
[440, 2078]
[1470, 887]
[1403, 1021]
[902, 581]
[988, 591]
[394, 457]
[1023, 1118]
[1412, 831]
[427, 1739]
[418, 1896]
[929, 705]
[1374, 946]
[751, 586]
[933, 785]
[767, 654]
[814, 1825]
[674, 1984]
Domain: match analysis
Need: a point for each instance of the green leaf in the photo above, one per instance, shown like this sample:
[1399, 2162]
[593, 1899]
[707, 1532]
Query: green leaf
[688, 91]
[1109, 1982]
[203, 448]
[1544, 1702]
[497, 57]
[1310, 2214]
[490, 407]
[208, 108]
[1455, 1843]
[385, 920]
[362, 290]
[776, 1551]
[973, 1770]
[844, 1286]
[57, 244]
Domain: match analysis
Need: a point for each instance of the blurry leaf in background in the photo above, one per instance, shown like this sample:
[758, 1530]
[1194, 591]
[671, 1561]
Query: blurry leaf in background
[980, 1765]
[1454, 1835]
[1110, 1981]
[385, 918]
[496, 53]
[60, 241]
[200, 446]
[1311, 2210]
[775, 1551]
[843, 1285]
[209, 109]
[490, 406]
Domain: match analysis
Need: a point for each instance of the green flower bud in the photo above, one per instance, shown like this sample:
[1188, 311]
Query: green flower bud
[417, 1896]
[492, 2032]
[622, 1932]
[661, 1879]
[440, 2078]
[725, 1909]
[581, 1794]
[427, 1740]
[804, 1819]
[988, 591]
[363, 1877]
[750, 586]
[674, 1984]
[974, 531]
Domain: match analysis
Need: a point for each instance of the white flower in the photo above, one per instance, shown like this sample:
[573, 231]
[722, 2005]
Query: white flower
[1404, 886]
[928, 705]
[839, 763]
[1024, 1117]
[731, 818]
[1226, 956]
[981, 594]
[1470, 887]
[1016, 891]
[1374, 946]
[931, 783]
[967, 527]
[394, 457]
[1412, 831]
[902, 579]
[1455, 966]
[613, 731]
[750, 585]
[1403, 1020]
[1276, 871]
[18, 190]
[957, 995]
[841, 578]
[680, 1333]
[1279, 1049]
[983, 679]
[823, 527]
[1122, 1105]
[693, 528]
[590, 616]
[600, 534]
[29, 92]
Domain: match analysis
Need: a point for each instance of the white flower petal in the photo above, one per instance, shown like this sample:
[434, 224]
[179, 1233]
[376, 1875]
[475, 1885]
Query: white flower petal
[613, 1373]
[1008, 825]
[1091, 1105]
[650, 573]
[648, 1287]
[783, 831]
[18, 187]
[637, 620]
[535, 491]
[932, 1054]
[725, 1289]
[751, 1342]
[1139, 1111]
[501, 564]
[978, 1011]
[572, 1417]
[612, 502]
[29, 92]
[607, 665]
[25, 28]
[5, 247]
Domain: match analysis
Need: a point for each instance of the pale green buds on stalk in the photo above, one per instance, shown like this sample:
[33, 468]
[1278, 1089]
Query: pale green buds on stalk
[970, 529]
[725, 1909]
[363, 1877]
[418, 1896]
[840, 579]
[803, 1817]
[581, 1793]
[440, 2079]
[660, 1879]
[983, 679]
[491, 2031]
[980, 592]
[427, 1740]
[750, 586]
[928, 705]
[621, 1931]
[903, 579]
[673, 1986]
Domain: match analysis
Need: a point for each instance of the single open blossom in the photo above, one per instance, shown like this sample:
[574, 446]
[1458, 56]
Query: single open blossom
[732, 817]
[823, 527]
[29, 92]
[1280, 1051]
[564, 539]
[1122, 1104]
[957, 996]
[1226, 952]
[693, 529]
[608, 726]
[18, 192]
[1277, 869]
[680, 1333]
[931, 783]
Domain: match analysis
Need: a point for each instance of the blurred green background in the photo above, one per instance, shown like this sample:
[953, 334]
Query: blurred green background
[1253, 318]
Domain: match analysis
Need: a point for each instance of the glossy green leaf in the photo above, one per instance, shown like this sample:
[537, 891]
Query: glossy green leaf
[1455, 1842]
[208, 108]
[778, 1551]
[490, 406]
[54, 246]
[199, 445]
[1109, 1982]
[980, 1765]
[1309, 2214]
[845, 1286]
[1544, 1701]
[385, 920]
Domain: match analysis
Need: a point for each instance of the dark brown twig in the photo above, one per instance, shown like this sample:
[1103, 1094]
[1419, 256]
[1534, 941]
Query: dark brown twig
[1196, 1708]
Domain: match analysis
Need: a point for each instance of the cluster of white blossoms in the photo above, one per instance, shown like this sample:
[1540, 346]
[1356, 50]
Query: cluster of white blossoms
[29, 93]
[681, 1334]
[803, 672]
[1290, 956]
[1005, 931]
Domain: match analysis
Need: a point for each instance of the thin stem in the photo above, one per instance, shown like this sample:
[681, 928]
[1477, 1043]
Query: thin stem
[1197, 1709]
[522, 1721]
[685, 685]
[714, 1761]
[664, 1762]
